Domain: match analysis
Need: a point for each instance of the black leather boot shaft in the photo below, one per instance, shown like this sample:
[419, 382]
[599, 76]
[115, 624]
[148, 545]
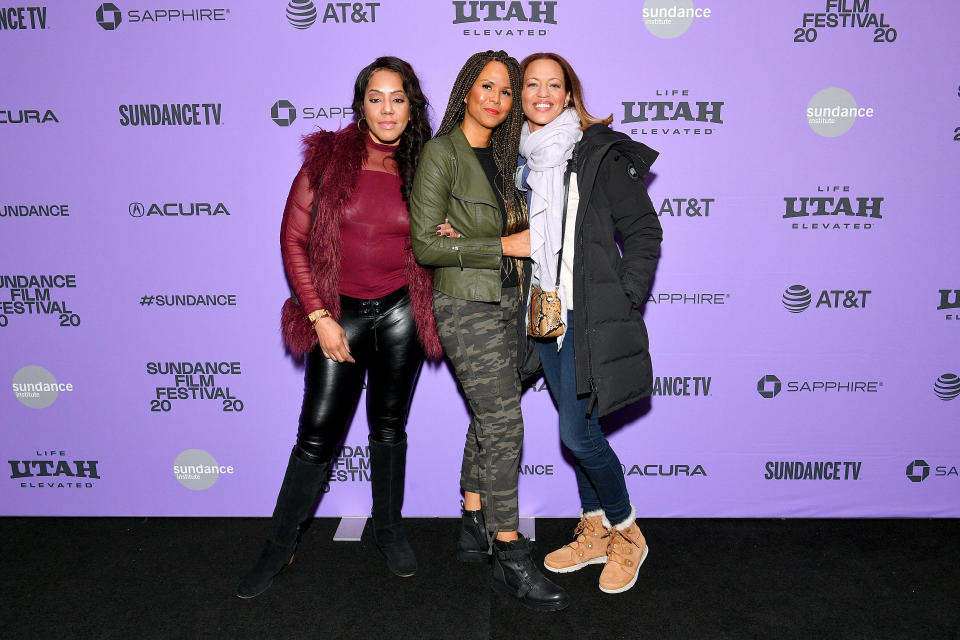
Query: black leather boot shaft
[298, 493]
[516, 574]
[388, 464]
[472, 546]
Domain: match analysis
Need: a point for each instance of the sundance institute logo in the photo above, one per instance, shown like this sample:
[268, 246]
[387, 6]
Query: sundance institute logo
[947, 386]
[796, 298]
[198, 470]
[109, 16]
[769, 386]
[35, 387]
[918, 470]
[831, 112]
[283, 113]
[301, 14]
[671, 18]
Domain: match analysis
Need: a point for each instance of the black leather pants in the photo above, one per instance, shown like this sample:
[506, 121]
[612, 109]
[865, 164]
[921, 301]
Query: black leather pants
[383, 341]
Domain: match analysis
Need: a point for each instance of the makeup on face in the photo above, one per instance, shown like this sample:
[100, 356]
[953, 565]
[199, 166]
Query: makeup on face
[544, 94]
[490, 98]
[386, 109]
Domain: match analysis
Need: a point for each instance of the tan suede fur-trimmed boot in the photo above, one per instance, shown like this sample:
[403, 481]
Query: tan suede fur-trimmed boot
[589, 546]
[625, 553]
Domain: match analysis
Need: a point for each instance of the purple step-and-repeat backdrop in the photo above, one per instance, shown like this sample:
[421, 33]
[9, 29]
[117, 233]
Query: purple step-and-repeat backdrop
[803, 320]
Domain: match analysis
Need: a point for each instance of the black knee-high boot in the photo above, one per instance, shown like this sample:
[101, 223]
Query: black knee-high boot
[388, 464]
[301, 484]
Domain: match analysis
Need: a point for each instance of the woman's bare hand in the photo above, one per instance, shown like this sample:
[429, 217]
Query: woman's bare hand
[516, 245]
[333, 340]
[446, 229]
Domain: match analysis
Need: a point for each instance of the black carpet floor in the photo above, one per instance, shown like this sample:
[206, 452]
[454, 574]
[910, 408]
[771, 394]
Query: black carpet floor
[175, 578]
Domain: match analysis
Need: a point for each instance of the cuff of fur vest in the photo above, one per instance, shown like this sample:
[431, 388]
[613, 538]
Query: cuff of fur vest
[298, 333]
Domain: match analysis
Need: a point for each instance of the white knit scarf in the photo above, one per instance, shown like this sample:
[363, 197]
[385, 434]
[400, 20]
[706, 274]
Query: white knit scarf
[547, 150]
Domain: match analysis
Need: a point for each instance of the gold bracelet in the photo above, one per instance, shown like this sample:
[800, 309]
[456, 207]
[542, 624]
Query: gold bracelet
[315, 316]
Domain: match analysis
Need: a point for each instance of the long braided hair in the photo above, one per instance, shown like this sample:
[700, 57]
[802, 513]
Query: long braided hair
[506, 137]
[417, 132]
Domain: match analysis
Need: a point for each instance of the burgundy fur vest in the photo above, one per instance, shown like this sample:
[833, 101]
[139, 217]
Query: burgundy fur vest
[333, 159]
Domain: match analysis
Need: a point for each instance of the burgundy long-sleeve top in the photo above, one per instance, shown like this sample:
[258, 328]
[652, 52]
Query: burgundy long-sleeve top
[375, 232]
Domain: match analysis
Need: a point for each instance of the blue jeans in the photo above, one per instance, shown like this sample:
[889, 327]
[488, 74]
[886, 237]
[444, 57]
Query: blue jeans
[599, 473]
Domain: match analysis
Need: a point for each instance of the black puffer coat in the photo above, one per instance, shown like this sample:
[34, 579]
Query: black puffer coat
[613, 355]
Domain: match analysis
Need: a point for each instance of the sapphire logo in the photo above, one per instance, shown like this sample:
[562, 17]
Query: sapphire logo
[109, 16]
[283, 113]
[796, 298]
[301, 14]
[947, 386]
[769, 386]
[918, 471]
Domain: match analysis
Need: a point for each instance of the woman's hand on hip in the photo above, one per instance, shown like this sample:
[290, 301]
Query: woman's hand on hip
[516, 245]
[333, 340]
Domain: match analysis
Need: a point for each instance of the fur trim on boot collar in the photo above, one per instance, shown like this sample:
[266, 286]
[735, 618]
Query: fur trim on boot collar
[629, 520]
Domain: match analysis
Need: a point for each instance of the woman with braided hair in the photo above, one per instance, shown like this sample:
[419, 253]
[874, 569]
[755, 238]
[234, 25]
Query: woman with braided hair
[466, 178]
[362, 307]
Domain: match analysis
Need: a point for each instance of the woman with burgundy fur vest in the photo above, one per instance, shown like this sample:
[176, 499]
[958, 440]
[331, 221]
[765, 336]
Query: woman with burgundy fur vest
[363, 307]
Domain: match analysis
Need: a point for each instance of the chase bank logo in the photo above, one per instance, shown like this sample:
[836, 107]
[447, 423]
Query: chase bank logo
[109, 16]
[918, 471]
[283, 113]
[769, 386]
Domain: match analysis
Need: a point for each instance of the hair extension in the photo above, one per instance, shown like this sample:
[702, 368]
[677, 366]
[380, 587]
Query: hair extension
[506, 137]
[417, 132]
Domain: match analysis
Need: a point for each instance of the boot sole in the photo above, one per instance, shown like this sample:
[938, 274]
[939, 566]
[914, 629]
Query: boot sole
[635, 574]
[473, 556]
[503, 589]
[575, 567]
[269, 584]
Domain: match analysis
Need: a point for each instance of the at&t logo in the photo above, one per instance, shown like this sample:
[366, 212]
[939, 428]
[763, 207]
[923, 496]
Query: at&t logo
[947, 386]
[797, 298]
[302, 14]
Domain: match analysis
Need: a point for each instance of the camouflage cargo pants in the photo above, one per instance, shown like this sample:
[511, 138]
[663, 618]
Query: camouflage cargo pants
[480, 338]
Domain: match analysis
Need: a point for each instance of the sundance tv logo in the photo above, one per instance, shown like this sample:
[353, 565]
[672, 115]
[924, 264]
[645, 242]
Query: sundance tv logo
[798, 298]
[671, 18]
[832, 112]
[109, 16]
[303, 14]
[23, 18]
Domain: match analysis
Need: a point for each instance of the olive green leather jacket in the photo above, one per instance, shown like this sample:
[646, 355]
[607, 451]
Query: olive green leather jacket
[451, 184]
